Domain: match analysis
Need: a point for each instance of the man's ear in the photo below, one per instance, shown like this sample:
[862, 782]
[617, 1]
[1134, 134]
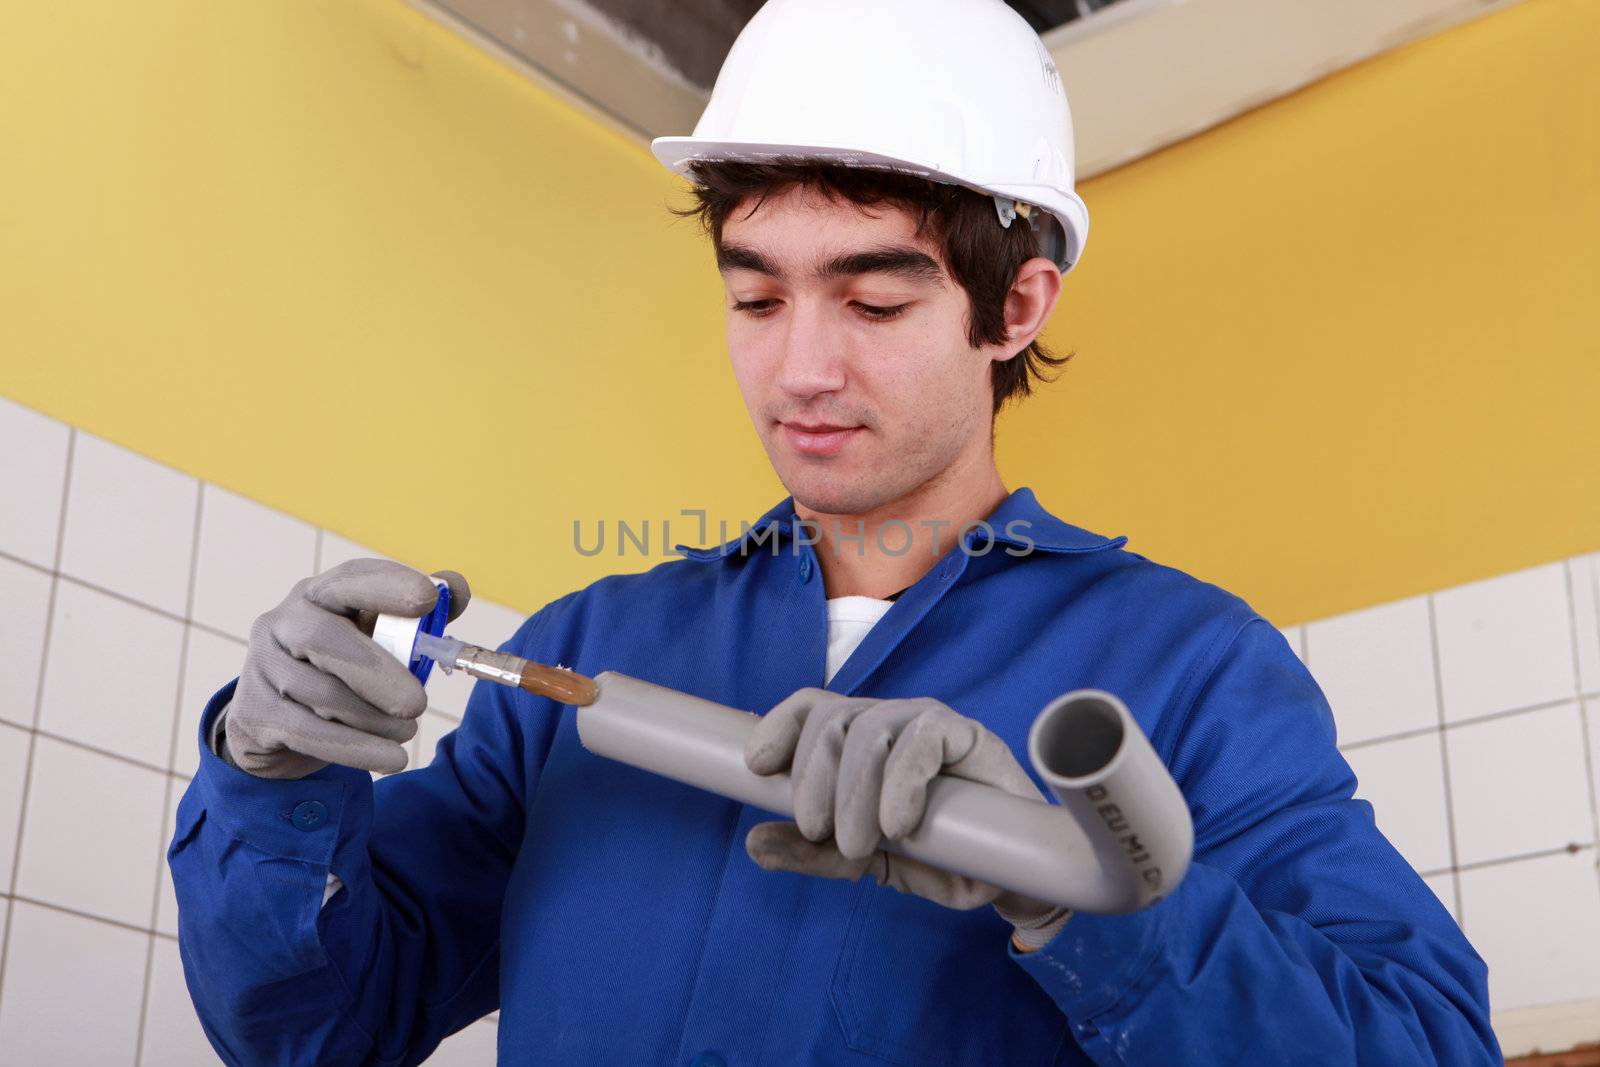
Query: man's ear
[1032, 298]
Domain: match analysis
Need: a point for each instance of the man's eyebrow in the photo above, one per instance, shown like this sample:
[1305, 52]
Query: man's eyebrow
[738, 257]
[898, 260]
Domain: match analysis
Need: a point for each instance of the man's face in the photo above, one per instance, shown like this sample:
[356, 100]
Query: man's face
[849, 342]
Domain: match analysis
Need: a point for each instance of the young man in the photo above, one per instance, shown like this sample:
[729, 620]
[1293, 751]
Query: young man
[862, 170]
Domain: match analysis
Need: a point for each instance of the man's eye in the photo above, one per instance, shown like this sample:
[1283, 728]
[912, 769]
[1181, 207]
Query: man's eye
[881, 314]
[755, 308]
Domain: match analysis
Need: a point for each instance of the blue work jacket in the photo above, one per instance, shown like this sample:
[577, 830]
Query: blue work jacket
[613, 916]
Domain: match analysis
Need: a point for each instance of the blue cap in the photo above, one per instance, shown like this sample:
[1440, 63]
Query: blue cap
[432, 623]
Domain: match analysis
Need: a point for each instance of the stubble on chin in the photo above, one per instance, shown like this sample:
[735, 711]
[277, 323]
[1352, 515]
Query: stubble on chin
[861, 489]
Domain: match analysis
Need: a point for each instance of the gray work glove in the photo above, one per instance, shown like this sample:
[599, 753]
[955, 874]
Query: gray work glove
[861, 769]
[316, 689]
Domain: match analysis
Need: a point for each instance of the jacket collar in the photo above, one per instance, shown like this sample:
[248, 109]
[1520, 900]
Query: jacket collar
[1020, 521]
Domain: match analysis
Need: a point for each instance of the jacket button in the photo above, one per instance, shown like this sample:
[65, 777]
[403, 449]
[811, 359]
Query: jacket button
[709, 1059]
[309, 815]
[805, 576]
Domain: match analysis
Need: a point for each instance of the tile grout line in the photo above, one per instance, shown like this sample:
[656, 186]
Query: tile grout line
[84, 746]
[177, 700]
[77, 913]
[172, 755]
[1569, 849]
[1594, 599]
[1444, 762]
[28, 563]
[38, 701]
[174, 780]
[1404, 735]
[131, 761]
[188, 619]
[165, 613]
[1577, 686]
[1476, 720]
[170, 616]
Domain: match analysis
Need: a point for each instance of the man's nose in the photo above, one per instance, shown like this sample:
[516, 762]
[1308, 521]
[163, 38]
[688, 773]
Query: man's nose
[812, 359]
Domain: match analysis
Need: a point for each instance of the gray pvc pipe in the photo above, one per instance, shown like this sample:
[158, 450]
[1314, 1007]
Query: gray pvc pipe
[1120, 839]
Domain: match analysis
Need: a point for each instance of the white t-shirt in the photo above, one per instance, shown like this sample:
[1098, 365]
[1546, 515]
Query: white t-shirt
[849, 620]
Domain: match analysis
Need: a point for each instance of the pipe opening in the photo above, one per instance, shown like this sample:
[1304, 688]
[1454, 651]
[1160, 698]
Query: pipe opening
[1080, 737]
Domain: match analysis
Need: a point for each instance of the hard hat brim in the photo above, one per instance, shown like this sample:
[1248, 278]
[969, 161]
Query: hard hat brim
[677, 153]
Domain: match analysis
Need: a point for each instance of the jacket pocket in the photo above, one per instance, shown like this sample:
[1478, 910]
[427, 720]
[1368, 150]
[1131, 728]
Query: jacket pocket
[920, 984]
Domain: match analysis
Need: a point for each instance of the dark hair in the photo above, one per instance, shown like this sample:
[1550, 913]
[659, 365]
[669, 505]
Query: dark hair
[980, 254]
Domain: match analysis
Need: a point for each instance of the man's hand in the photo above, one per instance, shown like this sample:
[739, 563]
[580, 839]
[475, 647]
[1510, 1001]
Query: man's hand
[860, 769]
[316, 689]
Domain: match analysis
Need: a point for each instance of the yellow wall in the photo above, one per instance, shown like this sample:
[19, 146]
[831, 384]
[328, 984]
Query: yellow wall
[1346, 348]
[1341, 350]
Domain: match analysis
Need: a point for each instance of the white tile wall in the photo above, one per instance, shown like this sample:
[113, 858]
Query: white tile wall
[1518, 660]
[13, 774]
[1584, 576]
[334, 550]
[110, 674]
[211, 663]
[1537, 923]
[250, 557]
[173, 1036]
[1591, 711]
[166, 898]
[130, 525]
[447, 693]
[430, 728]
[25, 593]
[489, 624]
[1296, 636]
[32, 480]
[1505, 643]
[1376, 668]
[158, 581]
[474, 1046]
[1403, 779]
[1444, 887]
[88, 816]
[72, 991]
[1519, 784]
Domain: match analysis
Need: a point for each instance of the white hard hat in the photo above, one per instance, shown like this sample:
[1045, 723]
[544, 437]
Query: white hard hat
[958, 91]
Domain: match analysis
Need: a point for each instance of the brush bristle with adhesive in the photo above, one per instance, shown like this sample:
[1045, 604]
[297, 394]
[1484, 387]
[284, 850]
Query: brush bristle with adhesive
[560, 684]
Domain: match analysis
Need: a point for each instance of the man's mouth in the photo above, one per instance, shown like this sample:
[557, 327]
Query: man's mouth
[817, 439]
